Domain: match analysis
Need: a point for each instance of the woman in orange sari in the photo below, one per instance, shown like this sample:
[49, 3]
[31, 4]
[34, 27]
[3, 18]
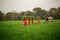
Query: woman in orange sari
[38, 20]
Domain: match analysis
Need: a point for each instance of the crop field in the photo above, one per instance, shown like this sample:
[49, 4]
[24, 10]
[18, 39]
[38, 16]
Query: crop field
[14, 30]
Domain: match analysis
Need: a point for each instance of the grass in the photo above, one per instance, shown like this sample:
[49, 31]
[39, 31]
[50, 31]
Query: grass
[14, 30]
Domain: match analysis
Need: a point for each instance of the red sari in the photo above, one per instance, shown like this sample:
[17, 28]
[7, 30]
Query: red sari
[25, 23]
[28, 21]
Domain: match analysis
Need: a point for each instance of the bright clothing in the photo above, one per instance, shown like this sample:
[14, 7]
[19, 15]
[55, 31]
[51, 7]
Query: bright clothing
[28, 21]
[38, 21]
[25, 23]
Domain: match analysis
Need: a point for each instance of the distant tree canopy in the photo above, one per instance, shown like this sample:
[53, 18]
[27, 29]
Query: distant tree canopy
[1, 16]
[58, 13]
[37, 12]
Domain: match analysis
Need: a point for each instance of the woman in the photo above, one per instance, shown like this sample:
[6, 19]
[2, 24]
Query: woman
[28, 21]
[46, 20]
[32, 21]
[24, 23]
[38, 20]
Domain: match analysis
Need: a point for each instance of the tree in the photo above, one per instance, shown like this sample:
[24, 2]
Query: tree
[58, 13]
[22, 13]
[1, 16]
[9, 16]
[18, 16]
[38, 12]
[53, 12]
[44, 13]
[29, 13]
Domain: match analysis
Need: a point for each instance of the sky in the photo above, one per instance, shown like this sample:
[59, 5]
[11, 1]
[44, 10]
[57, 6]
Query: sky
[24, 5]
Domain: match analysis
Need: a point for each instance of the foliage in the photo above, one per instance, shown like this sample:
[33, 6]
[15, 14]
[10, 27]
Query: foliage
[37, 12]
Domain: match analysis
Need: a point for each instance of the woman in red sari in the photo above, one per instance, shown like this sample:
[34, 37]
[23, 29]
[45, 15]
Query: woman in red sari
[28, 21]
[24, 23]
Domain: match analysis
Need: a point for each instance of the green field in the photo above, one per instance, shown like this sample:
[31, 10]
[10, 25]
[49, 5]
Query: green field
[14, 30]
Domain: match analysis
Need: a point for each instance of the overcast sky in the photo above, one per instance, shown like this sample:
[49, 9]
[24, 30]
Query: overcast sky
[24, 5]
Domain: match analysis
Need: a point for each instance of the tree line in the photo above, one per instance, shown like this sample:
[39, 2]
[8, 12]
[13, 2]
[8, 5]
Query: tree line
[37, 12]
